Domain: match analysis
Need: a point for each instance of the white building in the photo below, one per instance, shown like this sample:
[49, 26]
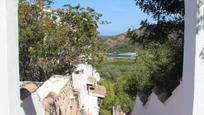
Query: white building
[55, 96]
[85, 79]
[61, 96]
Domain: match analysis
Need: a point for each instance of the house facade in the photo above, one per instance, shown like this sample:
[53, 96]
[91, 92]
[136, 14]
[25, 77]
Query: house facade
[85, 80]
[60, 95]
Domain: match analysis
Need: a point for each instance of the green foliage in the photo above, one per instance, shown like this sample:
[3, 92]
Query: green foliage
[53, 41]
[162, 9]
[111, 70]
[109, 101]
[137, 80]
[115, 98]
[169, 33]
[104, 112]
[168, 70]
[141, 78]
[118, 62]
[164, 39]
[159, 61]
[124, 100]
[148, 71]
[122, 48]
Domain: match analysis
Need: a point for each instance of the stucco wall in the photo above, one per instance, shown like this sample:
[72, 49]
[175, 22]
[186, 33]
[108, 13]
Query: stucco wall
[9, 69]
[32, 105]
[175, 105]
[92, 104]
[89, 102]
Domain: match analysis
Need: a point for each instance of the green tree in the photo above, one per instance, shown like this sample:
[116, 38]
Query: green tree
[162, 9]
[164, 38]
[53, 41]
[105, 112]
[109, 101]
[116, 96]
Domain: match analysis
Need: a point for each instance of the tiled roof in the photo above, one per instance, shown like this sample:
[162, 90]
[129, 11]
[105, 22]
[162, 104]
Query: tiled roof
[91, 80]
[27, 89]
[99, 91]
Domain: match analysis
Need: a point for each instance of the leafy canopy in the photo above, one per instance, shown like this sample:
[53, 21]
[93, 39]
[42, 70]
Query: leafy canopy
[52, 41]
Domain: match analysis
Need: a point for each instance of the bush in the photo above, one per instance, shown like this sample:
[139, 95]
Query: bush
[104, 112]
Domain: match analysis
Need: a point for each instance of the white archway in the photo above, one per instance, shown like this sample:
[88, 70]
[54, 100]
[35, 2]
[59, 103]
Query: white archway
[193, 74]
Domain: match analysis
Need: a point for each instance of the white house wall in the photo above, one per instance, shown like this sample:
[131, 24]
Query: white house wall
[54, 84]
[32, 105]
[199, 63]
[93, 105]
[175, 105]
[89, 102]
[9, 64]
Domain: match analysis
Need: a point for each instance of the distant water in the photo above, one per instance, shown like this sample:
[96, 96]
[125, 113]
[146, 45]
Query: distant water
[130, 55]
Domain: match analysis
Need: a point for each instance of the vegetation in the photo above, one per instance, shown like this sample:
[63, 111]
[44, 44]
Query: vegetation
[162, 10]
[115, 98]
[104, 112]
[122, 48]
[170, 19]
[110, 70]
[160, 49]
[53, 41]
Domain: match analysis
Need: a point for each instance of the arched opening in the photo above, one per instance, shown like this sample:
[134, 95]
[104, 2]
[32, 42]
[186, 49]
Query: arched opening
[193, 57]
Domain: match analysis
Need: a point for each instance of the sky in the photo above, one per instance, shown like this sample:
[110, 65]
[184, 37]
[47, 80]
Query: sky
[122, 14]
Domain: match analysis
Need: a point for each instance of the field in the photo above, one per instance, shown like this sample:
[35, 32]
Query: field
[118, 62]
[113, 69]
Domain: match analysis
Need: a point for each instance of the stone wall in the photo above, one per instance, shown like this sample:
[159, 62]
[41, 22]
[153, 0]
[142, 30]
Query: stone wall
[65, 103]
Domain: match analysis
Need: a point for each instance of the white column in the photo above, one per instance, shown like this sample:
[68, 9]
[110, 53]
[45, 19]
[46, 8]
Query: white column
[193, 58]
[189, 57]
[9, 69]
[199, 61]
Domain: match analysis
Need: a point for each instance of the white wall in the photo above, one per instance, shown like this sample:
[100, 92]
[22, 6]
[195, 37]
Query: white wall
[199, 63]
[177, 104]
[32, 105]
[9, 69]
[188, 97]
[92, 104]
[89, 102]
[53, 84]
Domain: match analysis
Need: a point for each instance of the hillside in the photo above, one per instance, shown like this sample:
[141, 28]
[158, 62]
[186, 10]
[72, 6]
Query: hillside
[113, 41]
[118, 43]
